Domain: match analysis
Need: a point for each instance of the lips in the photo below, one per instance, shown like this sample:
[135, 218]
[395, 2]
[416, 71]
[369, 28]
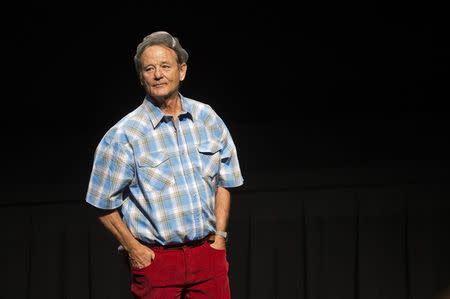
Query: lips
[159, 85]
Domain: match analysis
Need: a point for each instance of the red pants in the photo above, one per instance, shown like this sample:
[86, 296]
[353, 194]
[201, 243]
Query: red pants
[198, 272]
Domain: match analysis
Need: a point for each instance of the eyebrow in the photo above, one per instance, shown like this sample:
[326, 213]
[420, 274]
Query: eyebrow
[162, 62]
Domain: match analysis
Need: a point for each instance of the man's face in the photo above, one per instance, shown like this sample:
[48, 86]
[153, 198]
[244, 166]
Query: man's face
[160, 74]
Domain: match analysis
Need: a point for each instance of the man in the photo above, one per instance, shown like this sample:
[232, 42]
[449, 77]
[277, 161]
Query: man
[161, 175]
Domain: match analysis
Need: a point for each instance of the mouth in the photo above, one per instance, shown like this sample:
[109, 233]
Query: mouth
[159, 85]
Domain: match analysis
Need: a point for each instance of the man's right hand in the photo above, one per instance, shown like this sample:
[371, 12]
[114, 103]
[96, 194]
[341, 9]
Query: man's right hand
[141, 257]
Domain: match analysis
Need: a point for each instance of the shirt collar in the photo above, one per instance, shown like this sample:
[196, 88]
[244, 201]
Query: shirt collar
[156, 115]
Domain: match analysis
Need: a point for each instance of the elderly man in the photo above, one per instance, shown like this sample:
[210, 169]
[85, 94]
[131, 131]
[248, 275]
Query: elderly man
[160, 179]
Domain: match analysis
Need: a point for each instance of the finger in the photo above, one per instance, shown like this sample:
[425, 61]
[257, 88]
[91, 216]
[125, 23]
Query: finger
[152, 255]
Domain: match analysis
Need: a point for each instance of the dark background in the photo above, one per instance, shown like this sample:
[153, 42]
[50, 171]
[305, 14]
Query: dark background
[348, 83]
[320, 97]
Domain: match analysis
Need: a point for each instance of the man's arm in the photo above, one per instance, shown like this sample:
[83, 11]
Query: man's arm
[139, 255]
[222, 211]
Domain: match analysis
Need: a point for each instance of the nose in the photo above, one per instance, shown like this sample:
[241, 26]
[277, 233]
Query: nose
[158, 73]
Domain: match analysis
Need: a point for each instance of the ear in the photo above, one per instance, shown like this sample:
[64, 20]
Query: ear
[183, 69]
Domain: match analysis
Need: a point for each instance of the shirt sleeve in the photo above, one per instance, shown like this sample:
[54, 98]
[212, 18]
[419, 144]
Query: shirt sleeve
[229, 173]
[112, 172]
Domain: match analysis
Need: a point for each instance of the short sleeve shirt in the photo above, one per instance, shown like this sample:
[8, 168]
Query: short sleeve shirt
[163, 173]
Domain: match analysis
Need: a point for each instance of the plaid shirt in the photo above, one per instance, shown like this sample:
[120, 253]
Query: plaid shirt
[163, 173]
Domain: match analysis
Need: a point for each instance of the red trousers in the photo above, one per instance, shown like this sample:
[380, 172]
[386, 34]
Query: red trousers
[197, 272]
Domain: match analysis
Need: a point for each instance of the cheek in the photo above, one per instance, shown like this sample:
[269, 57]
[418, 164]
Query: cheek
[146, 80]
[142, 79]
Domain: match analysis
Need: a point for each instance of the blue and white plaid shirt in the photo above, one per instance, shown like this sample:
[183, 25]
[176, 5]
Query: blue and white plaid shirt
[163, 173]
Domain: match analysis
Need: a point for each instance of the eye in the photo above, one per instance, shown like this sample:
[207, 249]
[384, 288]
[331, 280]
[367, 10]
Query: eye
[150, 69]
[166, 66]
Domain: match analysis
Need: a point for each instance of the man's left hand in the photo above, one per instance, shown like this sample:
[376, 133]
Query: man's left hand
[219, 243]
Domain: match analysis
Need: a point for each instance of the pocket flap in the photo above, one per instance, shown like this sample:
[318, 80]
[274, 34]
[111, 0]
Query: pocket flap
[210, 147]
[153, 159]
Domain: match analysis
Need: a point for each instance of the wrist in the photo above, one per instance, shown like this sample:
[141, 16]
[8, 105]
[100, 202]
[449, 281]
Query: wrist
[133, 247]
[222, 235]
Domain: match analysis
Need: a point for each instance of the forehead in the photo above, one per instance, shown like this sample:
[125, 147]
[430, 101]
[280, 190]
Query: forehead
[158, 53]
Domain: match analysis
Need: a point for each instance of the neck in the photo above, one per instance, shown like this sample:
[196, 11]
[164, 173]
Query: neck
[170, 106]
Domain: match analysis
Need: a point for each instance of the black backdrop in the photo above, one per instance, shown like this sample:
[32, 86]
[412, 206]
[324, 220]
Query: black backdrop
[337, 110]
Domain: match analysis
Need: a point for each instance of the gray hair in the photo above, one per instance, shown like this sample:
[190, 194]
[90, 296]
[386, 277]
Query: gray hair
[160, 38]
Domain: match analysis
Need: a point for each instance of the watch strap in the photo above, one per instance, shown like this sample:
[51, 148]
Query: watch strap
[222, 234]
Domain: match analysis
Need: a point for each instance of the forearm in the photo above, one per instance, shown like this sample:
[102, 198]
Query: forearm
[222, 209]
[138, 254]
[114, 223]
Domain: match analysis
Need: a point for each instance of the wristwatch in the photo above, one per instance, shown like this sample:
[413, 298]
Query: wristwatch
[222, 234]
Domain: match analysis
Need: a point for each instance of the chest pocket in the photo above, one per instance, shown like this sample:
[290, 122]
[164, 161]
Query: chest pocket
[155, 171]
[209, 158]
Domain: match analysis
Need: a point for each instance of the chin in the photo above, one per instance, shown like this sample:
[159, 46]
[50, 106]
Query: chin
[162, 94]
